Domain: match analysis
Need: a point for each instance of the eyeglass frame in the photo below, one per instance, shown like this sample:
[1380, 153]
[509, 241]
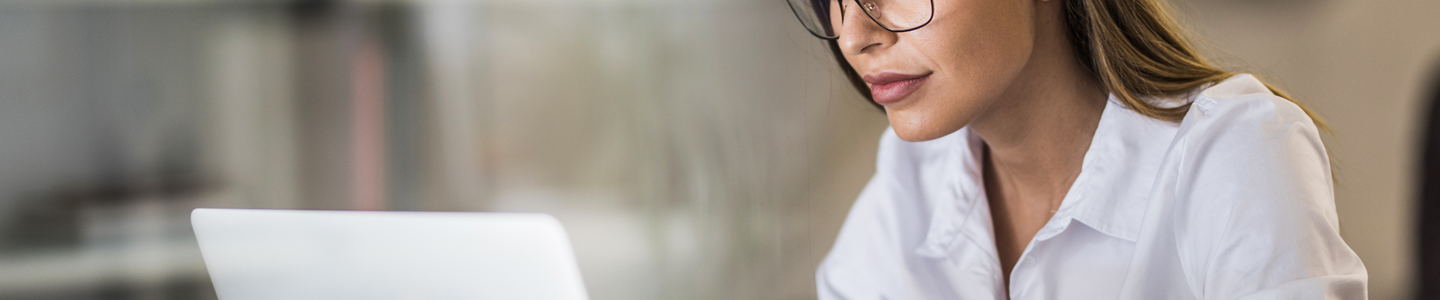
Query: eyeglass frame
[867, 15]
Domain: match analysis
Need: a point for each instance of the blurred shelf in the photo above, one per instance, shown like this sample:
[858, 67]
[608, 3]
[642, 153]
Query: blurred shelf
[140, 2]
[138, 264]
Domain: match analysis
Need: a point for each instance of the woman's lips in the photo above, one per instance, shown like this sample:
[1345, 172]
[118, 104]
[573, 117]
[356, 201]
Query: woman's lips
[889, 87]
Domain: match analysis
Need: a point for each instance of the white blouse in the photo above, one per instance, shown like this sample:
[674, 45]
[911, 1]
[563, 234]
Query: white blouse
[1234, 202]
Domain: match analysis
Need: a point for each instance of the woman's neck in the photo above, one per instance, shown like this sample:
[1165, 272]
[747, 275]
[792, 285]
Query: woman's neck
[1038, 147]
[1038, 133]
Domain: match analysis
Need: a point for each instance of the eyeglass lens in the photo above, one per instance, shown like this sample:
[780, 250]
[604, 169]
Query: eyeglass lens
[824, 17]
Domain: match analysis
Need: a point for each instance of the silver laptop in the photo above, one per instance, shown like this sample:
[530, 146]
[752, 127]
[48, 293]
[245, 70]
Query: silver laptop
[257, 254]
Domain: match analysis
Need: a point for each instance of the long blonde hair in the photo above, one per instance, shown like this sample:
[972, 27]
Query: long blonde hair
[1136, 49]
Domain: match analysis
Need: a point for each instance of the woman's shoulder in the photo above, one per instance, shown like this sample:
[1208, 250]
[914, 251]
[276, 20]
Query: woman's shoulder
[1242, 134]
[1247, 181]
[1239, 128]
[1244, 158]
[1242, 109]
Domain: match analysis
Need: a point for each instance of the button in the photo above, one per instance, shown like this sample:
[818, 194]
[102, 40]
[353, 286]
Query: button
[1028, 262]
[1205, 105]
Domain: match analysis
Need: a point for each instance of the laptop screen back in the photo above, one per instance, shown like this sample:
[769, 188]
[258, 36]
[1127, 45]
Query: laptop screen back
[292, 254]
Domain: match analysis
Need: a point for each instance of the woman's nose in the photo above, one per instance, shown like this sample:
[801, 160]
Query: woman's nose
[859, 34]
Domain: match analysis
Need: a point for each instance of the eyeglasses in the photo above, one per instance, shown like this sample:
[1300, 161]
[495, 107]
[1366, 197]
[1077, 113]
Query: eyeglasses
[823, 17]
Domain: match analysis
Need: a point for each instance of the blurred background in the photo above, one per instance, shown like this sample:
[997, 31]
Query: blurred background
[695, 149]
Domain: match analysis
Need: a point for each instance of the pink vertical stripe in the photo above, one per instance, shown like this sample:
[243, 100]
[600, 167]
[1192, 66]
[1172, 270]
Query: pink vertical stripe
[368, 125]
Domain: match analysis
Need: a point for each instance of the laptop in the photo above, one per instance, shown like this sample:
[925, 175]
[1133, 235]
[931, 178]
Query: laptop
[254, 254]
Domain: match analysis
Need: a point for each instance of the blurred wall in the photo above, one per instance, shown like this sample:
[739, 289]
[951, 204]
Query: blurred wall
[694, 149]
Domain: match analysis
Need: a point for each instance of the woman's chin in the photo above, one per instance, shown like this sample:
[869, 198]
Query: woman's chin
[913, 126]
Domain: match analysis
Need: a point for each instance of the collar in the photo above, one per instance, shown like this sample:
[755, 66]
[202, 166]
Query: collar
[1117, 174]
[1110, 195]
[1115, 178]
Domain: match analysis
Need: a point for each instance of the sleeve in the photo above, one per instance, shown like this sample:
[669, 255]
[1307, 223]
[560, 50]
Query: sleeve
[1262, 221]
[848, 271]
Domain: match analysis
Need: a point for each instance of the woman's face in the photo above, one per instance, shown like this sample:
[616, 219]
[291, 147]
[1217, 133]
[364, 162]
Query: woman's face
[934, 80]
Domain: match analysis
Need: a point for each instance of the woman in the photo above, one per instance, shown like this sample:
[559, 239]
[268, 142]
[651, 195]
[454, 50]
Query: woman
[1073, 149]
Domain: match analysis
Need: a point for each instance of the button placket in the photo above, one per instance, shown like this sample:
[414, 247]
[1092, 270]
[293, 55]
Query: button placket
[1021, 281]
[1023, 278]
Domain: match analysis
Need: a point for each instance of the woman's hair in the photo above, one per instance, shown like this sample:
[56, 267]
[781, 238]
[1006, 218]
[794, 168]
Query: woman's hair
[1135, 48]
